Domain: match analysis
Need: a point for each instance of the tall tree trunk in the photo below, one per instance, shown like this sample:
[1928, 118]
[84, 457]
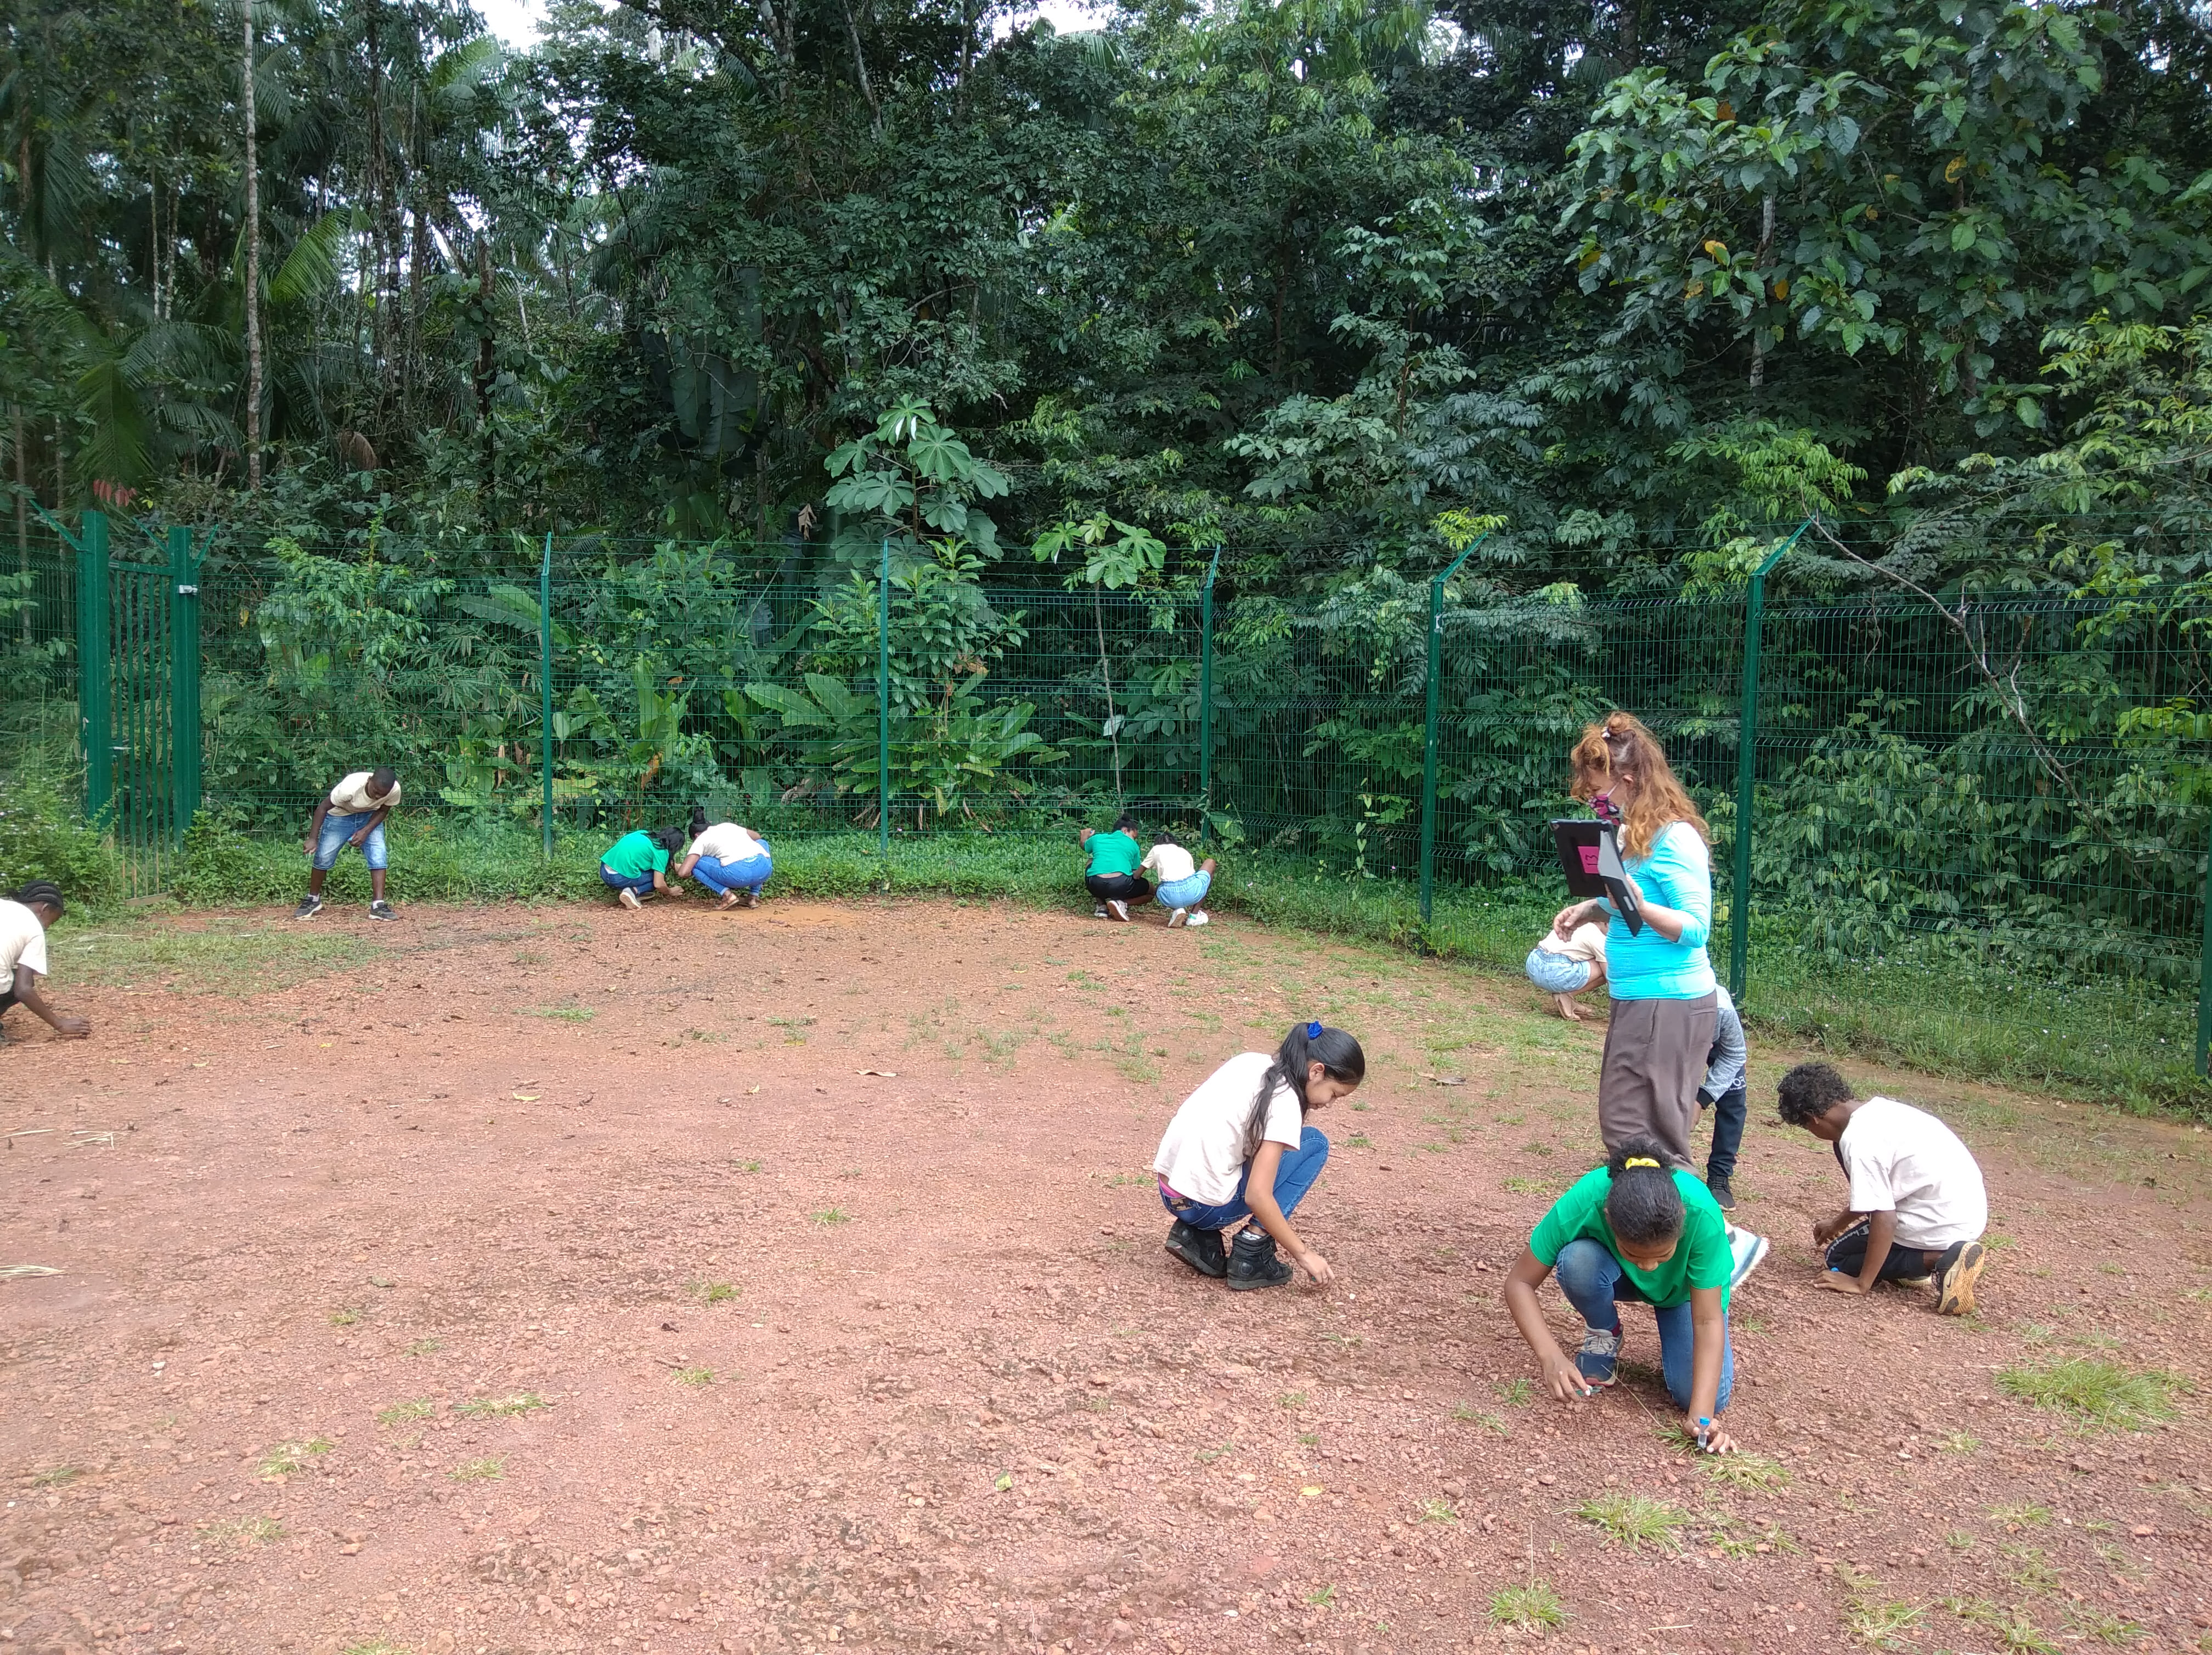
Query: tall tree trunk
[22, 517]
[253, 269]
[487, 371]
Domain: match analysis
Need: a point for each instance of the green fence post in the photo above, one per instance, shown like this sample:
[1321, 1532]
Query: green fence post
[1755, 613]
[545, 693]
[184, 678]
[92, 703]
[1206, 700]
[2204, 978]
[883, 713]
[1429, 737]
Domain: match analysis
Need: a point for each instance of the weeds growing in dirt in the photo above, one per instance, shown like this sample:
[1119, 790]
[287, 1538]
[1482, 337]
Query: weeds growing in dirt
[2019, 1517]
[1207, 1455]
[2029, 1568]
[500, 1408]
[378, 1646]
[1533, 1608]
[1515, 1393]
[1745, 1471]
[2016, 1633]
[242, 1531]
[2106, 1628]
[715, 1293]
[344, 1318]
[1291, 1399]
[424, 1347]
[1959, 1541]
[55, 1475]
[831, 1215]
[564, 1013]
[401, 1413]
[1876, 1622]
[1636, 1520]
[287, 1458]
[1439, 1511]
[1521, 1186]
[2098, 1394]
[694, 1375]
[1958, 1442]
[1468, 1414]
[490, 1469]
[1323, 1597]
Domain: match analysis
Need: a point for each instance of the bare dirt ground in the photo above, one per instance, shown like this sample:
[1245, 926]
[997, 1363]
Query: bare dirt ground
[541, 1280]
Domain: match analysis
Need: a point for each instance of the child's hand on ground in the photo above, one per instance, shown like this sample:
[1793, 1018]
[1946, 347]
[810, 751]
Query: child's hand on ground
[1564, 1380]
[71, 1028]
[1316, 1267]
[1828, 1229]
[1836, 1281]
[1717, 1441]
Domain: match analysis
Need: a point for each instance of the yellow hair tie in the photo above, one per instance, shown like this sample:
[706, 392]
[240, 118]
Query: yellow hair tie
[1640, 1160]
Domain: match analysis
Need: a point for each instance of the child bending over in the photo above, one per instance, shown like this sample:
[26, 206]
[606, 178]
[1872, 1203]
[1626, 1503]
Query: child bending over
[24, 921]
[1564, 966]
[1636, 1232]
[1918, 1205]
[1238, 1153]
[1183, 882]
[351, 813]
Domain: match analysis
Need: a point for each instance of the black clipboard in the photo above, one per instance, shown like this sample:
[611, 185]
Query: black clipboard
[1590, 858]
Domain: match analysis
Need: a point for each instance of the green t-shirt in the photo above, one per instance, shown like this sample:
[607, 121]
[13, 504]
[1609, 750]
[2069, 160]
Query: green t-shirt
[635, 855]
[1113, 853]
[1702, 1258]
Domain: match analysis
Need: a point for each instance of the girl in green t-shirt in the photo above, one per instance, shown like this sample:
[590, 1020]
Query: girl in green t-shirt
[1111, 875]
[1635, 1231]
[636, 865]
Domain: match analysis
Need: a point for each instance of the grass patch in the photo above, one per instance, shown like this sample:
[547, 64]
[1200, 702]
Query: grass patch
[2098, 1394]
[500, 1408]
[2029, 1516]
[1533, 1608]
[715, 1293]
[2027, 1568]
[564, 1013]
[2086, 1620]
[2015, 1632]
[831, 1215]
[286, 1458]
[1741, 1470]
[1878, 1622]
[377, 1646]
[1516, 1393]
[344, 1318]
[1323, 1597]
[490, 1469]
[424, 1347]
[1958, 1442]
[695, 1377]
[242, 1532]
[1439, 1511]
[55, 1476]
[1636, 1520]
[401, 1413]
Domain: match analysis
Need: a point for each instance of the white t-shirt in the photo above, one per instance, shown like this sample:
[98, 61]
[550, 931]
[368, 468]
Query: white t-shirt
[1904, 1160]
[22, 942]
[725, 842]
[1588, 943]
[1171, 862]
[1208, 1143]
[351, 797]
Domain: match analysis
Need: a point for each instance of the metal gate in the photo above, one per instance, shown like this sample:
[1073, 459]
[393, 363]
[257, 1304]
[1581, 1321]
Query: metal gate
[138, 692]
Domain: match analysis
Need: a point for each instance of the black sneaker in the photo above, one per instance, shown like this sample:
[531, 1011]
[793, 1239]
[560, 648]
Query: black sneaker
[1253, 1264]
[308, 908]
[1722, 1192]
[1200, 1249]
[381, 909]
[1955, 1275]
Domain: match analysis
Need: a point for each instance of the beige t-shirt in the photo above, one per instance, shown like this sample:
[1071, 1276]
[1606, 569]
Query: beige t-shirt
[725, 842]
[1588, 944]
[1171, 862]
[1208, 1143]
[22, 942]
[351, 797]
[1904, 1160]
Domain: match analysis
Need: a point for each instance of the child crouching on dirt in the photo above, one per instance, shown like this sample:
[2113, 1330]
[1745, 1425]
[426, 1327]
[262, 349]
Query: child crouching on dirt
[636, 865]
[1183, 882]
[1239, 1154]
[1635, 1231]
[1564, 967]
[729, 858]
[1918, 1205]
[24, 921]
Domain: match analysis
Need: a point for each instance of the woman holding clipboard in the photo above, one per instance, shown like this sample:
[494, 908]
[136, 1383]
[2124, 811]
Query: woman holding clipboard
[1662, 983]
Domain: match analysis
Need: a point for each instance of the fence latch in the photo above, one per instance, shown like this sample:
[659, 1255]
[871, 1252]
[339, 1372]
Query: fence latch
[188, 592]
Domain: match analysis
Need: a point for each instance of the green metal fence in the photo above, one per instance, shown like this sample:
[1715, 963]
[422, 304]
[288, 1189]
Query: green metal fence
[2004, 800]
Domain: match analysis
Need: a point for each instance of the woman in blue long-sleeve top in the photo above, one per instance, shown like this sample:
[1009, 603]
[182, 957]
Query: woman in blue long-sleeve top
[1661, 981]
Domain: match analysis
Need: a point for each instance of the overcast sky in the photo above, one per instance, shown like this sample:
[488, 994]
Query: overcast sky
[515, 21]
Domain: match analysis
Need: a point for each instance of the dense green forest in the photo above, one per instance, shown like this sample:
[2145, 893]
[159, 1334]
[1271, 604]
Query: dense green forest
[1299, 279]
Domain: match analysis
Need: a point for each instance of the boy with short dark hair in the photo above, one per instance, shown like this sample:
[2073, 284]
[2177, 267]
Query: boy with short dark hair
[1917, 1205]
[351, 813]
[25, 920]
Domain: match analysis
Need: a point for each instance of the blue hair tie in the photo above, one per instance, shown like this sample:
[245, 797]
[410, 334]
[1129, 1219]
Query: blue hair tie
[1313, 1031]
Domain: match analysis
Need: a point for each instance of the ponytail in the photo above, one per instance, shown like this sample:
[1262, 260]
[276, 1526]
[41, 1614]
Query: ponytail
[1643, 1207]
[698, 820]
[1307, 1044]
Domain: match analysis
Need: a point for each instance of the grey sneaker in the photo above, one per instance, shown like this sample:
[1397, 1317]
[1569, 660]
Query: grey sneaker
[1120, 909]
[1599, 1359]
[629, 899]
[308, 908]
[1750, 1251]
[381, 909]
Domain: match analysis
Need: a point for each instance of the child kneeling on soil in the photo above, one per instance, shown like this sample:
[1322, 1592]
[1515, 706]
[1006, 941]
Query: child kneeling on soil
[24, 920]
[728, 859]
[1238, 1153]
[1637, 1231]
[1183, 882]
[636, 865]
[1564, 967]
[1917, 1204]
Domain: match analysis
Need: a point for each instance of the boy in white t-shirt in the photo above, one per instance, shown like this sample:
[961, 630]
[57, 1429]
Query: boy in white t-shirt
[351, 813]
[1917, 1205]
[1564, 968]
[1183, 882]
[23, 922]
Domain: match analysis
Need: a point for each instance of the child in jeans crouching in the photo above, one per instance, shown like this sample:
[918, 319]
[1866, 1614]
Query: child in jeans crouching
[1563, 970]
[1183, 882]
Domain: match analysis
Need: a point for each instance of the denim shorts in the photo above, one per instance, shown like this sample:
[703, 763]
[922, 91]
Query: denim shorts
[1185, 893]
[337, 829]
[1555, 974]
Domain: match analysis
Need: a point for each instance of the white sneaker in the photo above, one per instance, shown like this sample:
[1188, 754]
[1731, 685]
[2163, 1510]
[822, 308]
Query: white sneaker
[1120, 911]
[1178, 917]
[1750, 1251]
[629, 899]
[1197, 917]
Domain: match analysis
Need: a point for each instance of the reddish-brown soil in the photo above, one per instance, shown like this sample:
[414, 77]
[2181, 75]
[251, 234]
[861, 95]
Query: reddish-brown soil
[825, 1235]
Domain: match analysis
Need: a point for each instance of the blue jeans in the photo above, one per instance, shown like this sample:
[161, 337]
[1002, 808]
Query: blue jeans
[337, 829]
[1555, 974]
[1595, 1285]
[1300, 1168]
[642, 884]
[749, 874]
[1185, 893]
